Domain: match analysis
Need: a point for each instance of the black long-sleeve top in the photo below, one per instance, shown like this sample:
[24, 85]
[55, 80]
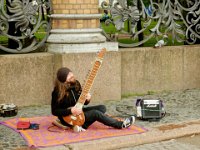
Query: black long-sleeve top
[63, 107]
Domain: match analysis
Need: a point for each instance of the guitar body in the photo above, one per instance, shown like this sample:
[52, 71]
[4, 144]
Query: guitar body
[75, 120]
[80, 119]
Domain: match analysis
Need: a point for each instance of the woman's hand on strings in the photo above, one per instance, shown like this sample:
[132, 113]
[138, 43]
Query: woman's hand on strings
[88, 97]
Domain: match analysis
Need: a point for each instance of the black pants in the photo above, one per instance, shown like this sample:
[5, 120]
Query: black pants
[97, 113]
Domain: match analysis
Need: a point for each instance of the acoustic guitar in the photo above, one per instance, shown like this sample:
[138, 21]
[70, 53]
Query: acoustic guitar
[80, 119]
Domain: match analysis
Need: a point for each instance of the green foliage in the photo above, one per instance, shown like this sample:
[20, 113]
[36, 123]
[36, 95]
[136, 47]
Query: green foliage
[130, 2]
[132, 95]
[138, 94]
[151, 92]
[110, 29]
[3, 40]
[146, 2]
[38, 35]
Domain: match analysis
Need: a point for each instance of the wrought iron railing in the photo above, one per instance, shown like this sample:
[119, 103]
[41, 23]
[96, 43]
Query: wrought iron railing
[24, 25]
[177, 19]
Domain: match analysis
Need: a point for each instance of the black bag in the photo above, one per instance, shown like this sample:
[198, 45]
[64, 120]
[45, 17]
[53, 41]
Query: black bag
[150, 109]
[8, 110]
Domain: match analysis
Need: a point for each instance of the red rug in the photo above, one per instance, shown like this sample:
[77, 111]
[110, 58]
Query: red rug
[44, 138]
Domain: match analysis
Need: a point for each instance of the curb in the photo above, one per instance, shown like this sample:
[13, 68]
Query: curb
[153, 135]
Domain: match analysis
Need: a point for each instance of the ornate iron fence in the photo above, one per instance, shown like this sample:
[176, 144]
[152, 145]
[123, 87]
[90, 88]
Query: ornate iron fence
[24, 25]
[175, 18]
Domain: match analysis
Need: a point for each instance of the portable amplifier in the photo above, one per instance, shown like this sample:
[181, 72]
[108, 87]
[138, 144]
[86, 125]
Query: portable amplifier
[151, 109]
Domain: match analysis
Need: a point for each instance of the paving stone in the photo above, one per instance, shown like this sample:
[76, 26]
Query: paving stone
[179, 105]
[166, 145]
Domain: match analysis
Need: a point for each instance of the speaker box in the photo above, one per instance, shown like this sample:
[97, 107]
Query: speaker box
[151, 109]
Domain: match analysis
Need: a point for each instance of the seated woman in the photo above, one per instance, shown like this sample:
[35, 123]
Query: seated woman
[64, 97]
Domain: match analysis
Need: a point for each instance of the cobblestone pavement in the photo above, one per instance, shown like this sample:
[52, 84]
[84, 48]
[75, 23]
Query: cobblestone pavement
[174, 144]
[179, 105]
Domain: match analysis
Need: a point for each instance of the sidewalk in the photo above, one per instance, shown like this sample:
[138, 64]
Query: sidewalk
[182, 119]
[155, 134]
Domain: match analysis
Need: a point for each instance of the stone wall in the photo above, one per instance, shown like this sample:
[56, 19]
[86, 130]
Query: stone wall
[27, 79]
[107, 82]
[168, 68]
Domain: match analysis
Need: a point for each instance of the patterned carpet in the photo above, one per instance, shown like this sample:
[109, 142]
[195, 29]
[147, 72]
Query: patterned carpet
[43, 137]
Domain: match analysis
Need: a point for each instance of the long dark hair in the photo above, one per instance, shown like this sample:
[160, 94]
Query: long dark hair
[63, 88]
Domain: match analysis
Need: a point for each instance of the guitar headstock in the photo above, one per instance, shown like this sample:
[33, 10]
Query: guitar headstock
[101, 53]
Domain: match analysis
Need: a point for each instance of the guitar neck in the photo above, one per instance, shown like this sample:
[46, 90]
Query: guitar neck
[89, 81]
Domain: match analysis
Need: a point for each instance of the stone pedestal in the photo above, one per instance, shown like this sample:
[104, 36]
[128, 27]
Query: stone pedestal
[75, 28]
[74, 40]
